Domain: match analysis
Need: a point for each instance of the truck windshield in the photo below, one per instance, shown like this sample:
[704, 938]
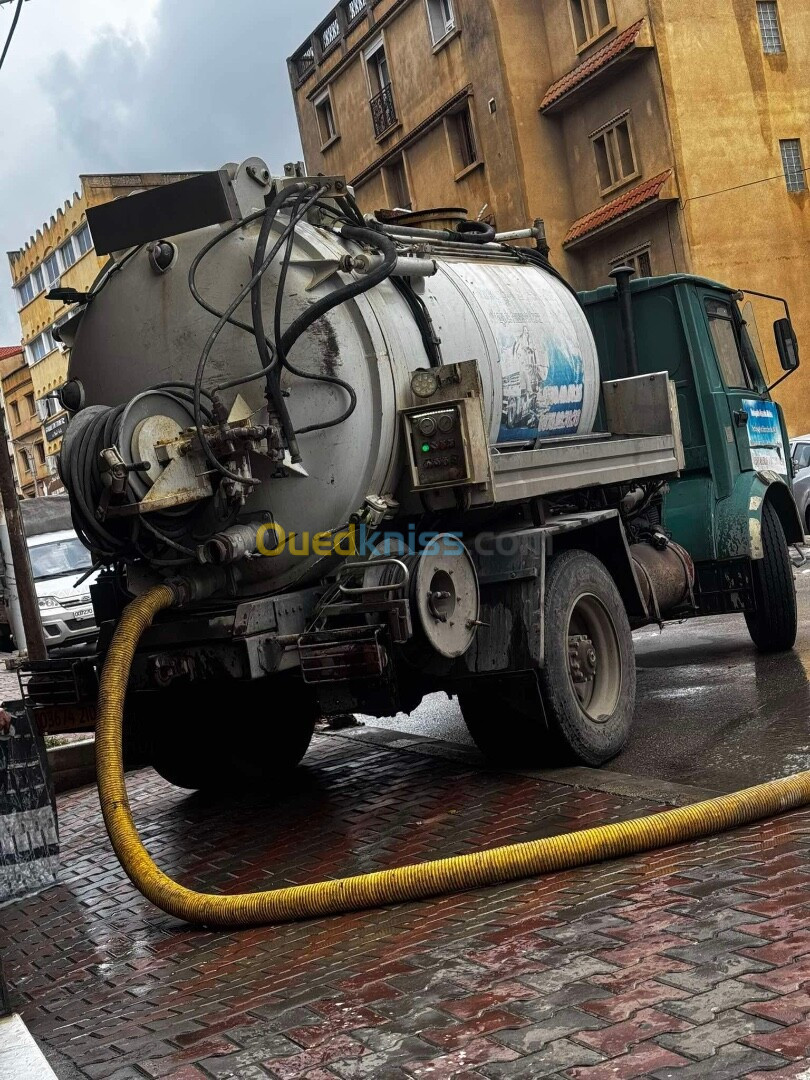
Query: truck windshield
[57, 558]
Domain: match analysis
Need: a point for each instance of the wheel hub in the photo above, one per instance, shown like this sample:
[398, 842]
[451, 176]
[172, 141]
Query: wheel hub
[582, 658]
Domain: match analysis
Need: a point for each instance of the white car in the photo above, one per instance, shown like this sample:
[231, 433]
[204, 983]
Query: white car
[59, 561]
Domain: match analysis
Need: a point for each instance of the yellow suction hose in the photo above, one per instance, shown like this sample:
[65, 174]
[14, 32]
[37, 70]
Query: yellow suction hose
[436, 878]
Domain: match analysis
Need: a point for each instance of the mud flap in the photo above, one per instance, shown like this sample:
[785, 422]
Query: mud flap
[29, 836]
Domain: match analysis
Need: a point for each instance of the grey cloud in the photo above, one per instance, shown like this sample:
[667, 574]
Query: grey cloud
[210, 86]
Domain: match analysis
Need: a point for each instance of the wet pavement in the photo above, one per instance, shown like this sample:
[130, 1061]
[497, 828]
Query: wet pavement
[692, 962]
[712, 712]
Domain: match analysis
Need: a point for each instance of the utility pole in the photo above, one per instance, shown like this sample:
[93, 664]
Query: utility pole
[29, 606]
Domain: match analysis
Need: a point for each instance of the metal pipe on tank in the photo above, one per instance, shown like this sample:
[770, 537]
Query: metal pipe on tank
[622, 276]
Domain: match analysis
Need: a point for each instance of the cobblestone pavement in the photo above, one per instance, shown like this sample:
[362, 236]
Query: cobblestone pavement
[690, 962]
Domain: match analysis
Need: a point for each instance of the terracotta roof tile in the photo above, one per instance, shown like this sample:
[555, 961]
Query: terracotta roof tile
[7, 351]
[601, 58]
[624, 204]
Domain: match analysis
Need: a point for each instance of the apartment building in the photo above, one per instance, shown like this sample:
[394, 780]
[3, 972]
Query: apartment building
[61, 254]
[26, 439]
[669, 134]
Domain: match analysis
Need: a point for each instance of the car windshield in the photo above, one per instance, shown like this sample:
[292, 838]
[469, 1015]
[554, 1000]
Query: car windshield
[58, 557]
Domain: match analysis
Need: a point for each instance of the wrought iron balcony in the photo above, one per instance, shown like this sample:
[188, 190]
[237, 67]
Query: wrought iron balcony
[383, 110]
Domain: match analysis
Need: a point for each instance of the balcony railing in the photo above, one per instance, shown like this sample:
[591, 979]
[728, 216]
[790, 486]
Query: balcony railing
[383, 110]
[304, 63]
[330, 35]
[354, 9]
[327, 36]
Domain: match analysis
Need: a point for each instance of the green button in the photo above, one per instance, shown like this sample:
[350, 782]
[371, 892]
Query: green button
[426, 448]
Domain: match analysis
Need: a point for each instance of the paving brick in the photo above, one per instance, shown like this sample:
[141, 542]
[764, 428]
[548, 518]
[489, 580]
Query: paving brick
[641, 1061]
[782, 980]
[561, 1024]
[706, 1039]
[476, 1053]
[799, 1070]
[727, 1064]
[450, 1038]
[730, 994]
[789, 1042]
[503, 993]
[552, 1059]
[618, 1007]
[619, 1038]
[786, 1009]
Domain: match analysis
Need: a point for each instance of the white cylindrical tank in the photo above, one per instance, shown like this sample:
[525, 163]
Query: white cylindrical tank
[535, 352]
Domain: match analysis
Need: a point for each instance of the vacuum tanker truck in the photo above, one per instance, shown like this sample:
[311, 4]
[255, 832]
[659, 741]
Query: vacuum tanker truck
[373, 461]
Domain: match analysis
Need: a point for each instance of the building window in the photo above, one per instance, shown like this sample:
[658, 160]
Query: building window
[442, 19]
[590, 19]
[326, 120]
[615, 157]
[31, 403]
[27, 462]
[793, 164]
[396, 185]
[25, 292]
[768, 17]
[51, 267]
[639, 259]
[383, 111]
[15, 412]
[84, 240]
[39, 348]
[67, 253]
[463, 144]
[40, 449]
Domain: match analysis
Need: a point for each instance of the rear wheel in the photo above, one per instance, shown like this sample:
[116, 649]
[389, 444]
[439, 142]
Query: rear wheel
[774, 625]
[211, 736]
[579, 707]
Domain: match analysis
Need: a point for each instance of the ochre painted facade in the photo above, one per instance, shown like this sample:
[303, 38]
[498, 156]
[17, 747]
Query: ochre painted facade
[697, 94]
[23, 426]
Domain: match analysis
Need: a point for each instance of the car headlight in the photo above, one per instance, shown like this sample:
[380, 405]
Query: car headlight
[48, 602]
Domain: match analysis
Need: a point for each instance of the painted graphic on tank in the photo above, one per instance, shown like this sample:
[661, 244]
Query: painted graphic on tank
[542, 369]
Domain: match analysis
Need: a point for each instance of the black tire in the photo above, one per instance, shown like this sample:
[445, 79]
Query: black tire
[540, 718]
[774, 625]
[506, 719]
[593, 725]
[220, 736]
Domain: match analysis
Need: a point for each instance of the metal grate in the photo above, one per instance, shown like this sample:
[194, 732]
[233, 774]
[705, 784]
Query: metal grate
[793, 164]
[383, 110]
[330, 34]
[305, 62]
[354, 9]
[769, 26]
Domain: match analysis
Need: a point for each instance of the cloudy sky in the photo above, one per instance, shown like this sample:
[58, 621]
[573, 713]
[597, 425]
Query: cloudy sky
[116, 86]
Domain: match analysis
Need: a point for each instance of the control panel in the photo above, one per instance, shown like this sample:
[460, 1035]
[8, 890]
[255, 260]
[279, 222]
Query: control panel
[438, 446]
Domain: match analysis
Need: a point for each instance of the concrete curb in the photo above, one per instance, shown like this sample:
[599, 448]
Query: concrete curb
[73, 766]
[20, 1057]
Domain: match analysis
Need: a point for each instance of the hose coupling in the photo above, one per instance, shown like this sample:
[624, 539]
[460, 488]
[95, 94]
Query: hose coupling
[231, 545]
[199, 584]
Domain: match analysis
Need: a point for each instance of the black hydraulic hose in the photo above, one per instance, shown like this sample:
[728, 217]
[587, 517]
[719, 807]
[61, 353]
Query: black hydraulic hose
[275, 398]
[430, 339]
[347, 292]
[476, 232]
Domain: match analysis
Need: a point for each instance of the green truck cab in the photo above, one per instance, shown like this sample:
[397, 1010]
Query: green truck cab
[732, 505]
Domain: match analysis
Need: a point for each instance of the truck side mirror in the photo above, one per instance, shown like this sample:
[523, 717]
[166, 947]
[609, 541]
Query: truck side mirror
[787, 344]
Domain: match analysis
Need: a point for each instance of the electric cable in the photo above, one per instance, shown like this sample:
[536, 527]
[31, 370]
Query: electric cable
[9, 39]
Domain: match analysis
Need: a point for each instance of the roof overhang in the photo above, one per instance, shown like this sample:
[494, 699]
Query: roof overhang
[637, 203]
[605, 64]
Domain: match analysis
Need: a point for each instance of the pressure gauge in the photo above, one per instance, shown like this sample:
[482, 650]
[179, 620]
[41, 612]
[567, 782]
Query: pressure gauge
[425, 383]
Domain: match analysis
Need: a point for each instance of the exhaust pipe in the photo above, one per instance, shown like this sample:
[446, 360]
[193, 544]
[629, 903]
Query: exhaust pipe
[622, 276]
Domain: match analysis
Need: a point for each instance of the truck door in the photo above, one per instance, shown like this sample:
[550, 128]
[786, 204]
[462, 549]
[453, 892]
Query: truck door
[755, 423]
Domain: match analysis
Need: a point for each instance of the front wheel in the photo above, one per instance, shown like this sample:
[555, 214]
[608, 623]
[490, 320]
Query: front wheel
[774, 625]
